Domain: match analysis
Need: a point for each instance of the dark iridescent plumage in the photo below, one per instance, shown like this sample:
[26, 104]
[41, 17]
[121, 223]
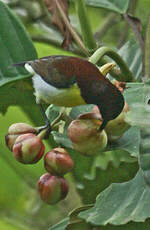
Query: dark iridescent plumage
[63, 71]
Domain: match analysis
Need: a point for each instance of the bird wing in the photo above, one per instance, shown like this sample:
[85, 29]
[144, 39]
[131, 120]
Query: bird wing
[64, 71]
[55, 71]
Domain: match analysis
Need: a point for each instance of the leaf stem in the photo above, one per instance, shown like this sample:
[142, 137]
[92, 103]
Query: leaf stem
[127, 74]
[110, 20]
[135, 30]
[71, 29]
[44, 9]
[86, 30]
[147, 50]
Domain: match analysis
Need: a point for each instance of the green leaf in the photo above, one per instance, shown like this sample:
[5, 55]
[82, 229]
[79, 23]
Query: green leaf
[132, 55]
[77, 110]
[144, 158]
[16, 46]
[129, 142]
[121, 203]
[61, 225]
[53, 112]
[113, 5]
[99, 172]
[139, 116]
[133, 93]
[62, 139]
[19, 93]
[73, 222]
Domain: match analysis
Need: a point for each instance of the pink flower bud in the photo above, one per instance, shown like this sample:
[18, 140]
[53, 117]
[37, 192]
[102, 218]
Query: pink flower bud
[58, 161]
[85, 135]
[51, 188]
[28, 148]
[15, 130]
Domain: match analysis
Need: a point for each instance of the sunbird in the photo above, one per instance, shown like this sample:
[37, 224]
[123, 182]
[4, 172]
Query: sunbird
[71, 81]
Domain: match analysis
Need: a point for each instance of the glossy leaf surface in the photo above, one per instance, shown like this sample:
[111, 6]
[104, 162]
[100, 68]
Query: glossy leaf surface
[132, 55]
[60, 226]
[114, 5]
[15, 46]
[140, 117]
[121, 203]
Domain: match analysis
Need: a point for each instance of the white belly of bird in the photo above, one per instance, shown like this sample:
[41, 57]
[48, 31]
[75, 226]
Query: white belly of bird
[49, 94]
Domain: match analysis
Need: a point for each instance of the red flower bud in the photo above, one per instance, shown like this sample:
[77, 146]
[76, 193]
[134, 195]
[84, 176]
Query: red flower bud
[15, 130]
[51, 188]
[58, 161]
[85, 135]
[28, 148]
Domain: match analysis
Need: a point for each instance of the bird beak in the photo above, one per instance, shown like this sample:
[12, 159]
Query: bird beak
[106, 68]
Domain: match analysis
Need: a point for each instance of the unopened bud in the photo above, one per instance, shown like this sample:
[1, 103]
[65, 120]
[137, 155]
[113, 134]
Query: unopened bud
[58, 161]
[117, 127]
[15, 130]
[28, 148]
[85, 135]
[51, 188]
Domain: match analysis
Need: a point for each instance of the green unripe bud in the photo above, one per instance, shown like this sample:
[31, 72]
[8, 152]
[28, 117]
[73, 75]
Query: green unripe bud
[28, 148]
[58, 161]
[52, 189]
[116, 128]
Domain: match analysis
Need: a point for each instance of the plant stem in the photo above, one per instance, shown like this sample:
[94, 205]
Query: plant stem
[70, 28]
[44, 9]
[123, 36]
[147, 50]
[135, 30]
[56, 42]
[107, 24]
[127, 74]
[86, 30]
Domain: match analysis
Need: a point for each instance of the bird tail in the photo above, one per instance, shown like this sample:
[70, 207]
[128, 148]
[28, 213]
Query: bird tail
[19, 64]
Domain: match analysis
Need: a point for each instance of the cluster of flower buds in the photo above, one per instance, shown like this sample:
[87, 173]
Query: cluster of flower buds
[27, 147]
[52, 186]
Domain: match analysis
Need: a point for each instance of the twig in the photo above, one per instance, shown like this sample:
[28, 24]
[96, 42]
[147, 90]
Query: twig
[52, 41]
[147, 50]
[124, 35]
[44, 9]
[70, 28]
[85, 26]
[135, 30]
[107, 23]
